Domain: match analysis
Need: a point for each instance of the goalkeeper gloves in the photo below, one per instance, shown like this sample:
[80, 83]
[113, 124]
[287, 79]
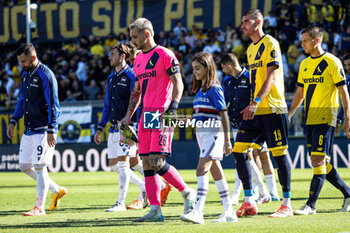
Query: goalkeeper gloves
[170, 114]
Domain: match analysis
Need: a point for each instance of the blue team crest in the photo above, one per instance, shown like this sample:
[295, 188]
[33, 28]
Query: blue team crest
[70, 131]
[151, 120]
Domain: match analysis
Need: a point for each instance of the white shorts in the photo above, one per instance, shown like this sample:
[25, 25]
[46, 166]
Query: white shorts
[35, 150]
[115, 148]
[211, 143]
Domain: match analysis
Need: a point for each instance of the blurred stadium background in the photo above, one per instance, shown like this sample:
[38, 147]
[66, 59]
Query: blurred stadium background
[73, 39]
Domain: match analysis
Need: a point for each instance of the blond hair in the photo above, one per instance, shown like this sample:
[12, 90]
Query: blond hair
[142, 24]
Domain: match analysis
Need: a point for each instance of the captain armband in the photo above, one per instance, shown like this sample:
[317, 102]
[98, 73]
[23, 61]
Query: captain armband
[173, 70]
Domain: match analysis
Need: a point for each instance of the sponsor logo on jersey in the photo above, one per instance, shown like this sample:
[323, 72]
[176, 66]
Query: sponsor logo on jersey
[274, 54]
[122, 82]
[201, 99]
[260, 52]
[175, 62]
[314, 80]
[152, 61]
[255, 65]
[149, 74]
[320, 68]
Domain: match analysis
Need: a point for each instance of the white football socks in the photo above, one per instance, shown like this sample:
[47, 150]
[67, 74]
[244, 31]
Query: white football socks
[30, 171]
[136, 180]
[287, 202]
[124, 178]
[224, 193]
[256, 176]
[236, 190]
[133, 177]
[139, 168]
[42, 186]
[271, 184]
[202, 191]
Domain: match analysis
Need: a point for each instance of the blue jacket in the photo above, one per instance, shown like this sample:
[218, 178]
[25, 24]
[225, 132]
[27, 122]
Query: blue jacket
[38, 101]
[237, 96]
[118, 91]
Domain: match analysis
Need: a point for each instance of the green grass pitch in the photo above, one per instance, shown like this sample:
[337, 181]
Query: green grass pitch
[89, 194]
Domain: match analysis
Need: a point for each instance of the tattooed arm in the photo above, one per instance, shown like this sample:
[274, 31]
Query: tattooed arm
[134, 102]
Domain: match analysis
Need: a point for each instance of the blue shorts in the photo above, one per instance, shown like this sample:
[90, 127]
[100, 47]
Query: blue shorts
[320, 139]
[272, 128]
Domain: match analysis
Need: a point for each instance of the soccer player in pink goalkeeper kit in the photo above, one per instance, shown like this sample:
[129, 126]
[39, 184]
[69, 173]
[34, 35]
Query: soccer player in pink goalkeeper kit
[158, 88]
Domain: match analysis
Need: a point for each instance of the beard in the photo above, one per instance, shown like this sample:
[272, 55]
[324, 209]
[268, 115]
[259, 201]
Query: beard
[28, 68]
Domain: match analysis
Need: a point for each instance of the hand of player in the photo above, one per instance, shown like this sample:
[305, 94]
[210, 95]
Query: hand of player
[289, 118]
[346, 127]
[10, 130]
[337, 128]
[227, 148]
[126, 120]
[51, 141]
[249, 111]
[97, 137]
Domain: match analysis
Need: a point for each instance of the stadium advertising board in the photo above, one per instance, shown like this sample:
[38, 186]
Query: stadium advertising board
[78, 124]
[91, 157]
[74, 124]
[70, 20]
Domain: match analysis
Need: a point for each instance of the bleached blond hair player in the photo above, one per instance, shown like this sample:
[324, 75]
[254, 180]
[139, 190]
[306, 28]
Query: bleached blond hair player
[158, 88]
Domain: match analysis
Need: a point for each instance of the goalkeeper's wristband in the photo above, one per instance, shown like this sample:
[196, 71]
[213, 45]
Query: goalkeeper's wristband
[173, 105]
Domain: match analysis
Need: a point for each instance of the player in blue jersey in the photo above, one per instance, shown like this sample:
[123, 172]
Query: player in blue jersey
[38, 103]
[236, 87]
[209, 105]
[119, 86]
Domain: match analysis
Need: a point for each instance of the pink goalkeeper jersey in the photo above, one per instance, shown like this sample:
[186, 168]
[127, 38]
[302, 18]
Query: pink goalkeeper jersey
[153, 69]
